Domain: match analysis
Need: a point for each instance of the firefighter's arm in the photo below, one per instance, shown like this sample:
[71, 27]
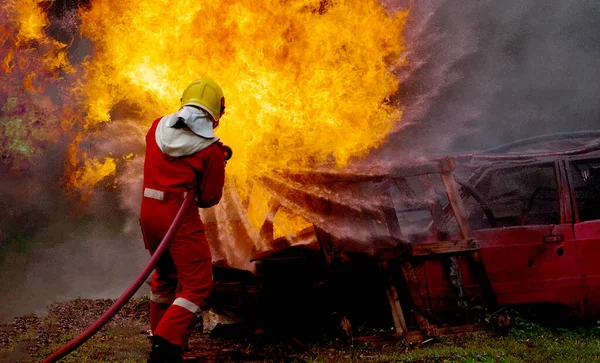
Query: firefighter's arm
[210, 185]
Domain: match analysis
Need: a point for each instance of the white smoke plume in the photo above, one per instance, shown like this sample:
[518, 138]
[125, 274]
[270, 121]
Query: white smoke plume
[482, 73]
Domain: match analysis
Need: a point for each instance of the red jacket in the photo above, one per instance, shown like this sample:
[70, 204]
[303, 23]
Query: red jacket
[167, 179]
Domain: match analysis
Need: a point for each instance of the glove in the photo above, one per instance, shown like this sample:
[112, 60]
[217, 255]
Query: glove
[226, 151]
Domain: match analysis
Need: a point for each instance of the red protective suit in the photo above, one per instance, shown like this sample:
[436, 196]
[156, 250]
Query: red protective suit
[182, 280]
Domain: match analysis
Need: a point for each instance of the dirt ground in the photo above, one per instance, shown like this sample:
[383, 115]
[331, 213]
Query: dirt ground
[124, 339]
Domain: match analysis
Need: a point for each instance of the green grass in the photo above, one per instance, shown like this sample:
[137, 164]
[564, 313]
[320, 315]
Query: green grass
[526, 341]
[123, 343]
[478, 347]
[117, 344]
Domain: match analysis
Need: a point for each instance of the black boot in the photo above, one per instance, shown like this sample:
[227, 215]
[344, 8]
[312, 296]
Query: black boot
[164, 351]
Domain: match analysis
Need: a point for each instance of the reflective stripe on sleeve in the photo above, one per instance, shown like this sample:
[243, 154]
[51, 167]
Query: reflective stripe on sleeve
[186, 304]
[159, 299]
[154, 194]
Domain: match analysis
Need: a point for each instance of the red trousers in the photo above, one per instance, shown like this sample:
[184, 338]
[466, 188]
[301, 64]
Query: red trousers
[181, 283]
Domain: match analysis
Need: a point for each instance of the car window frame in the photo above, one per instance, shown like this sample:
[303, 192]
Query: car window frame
[559, 175]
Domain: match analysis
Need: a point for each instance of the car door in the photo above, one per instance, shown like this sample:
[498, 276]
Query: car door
[584, 180]
[527, 242]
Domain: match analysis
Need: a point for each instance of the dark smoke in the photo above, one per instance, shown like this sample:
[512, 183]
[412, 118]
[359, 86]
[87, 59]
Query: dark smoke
[52, 246]
[483, 73]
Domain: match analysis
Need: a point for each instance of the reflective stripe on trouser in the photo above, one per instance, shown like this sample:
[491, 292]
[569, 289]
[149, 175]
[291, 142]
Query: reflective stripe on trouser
[187, 270]
[158, 307]
[178, 321]
[162, 299]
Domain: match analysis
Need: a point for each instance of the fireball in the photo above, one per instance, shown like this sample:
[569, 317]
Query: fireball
[305, 81]
[307, 84]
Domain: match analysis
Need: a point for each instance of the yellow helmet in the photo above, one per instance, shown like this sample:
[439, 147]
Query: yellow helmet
[206, 94]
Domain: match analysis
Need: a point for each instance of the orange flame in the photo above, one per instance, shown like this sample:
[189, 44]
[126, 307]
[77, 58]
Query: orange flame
[307, 82]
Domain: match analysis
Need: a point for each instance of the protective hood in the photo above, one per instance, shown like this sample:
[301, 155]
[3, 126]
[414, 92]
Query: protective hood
[181, 141]
[198, 120]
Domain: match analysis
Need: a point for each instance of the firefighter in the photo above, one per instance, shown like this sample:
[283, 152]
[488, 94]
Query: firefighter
[182, 154]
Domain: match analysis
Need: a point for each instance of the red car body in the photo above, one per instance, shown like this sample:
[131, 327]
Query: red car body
[544, 244]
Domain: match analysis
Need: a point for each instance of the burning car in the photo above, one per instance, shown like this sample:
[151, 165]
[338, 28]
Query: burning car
[419, 246]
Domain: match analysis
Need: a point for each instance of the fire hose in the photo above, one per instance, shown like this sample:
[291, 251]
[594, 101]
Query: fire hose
[135, 285]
